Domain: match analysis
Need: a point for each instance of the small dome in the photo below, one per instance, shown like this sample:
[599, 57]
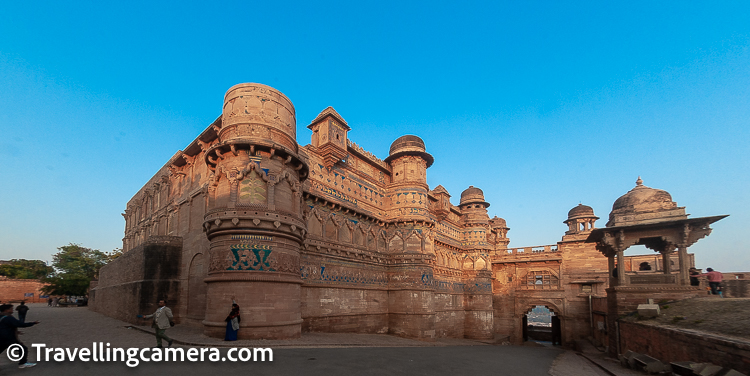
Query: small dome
[644, 204]
[408, 142]
[581, 211]
[498, 222]
[409, 145]
[473, 195]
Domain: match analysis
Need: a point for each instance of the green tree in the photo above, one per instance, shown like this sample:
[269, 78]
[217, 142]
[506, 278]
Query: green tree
[75, 266]
[25, 269]
[117, 252]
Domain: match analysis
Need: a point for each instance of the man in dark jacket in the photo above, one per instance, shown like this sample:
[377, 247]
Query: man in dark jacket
[22, 310]
[8, 338]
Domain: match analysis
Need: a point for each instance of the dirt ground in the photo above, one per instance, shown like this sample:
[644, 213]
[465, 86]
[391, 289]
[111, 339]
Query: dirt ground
[727, 316]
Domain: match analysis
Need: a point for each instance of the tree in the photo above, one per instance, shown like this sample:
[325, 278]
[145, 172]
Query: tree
[75, 267]
[25, 269]
[117, 252]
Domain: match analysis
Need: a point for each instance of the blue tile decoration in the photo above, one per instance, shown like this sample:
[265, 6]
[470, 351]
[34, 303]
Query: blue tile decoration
[250, 257]
[335, 272]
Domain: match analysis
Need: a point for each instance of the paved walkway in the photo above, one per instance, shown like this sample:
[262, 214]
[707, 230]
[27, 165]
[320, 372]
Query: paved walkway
[312, 354]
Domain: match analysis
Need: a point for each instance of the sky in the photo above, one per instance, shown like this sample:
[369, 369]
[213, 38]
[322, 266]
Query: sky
[541, 104]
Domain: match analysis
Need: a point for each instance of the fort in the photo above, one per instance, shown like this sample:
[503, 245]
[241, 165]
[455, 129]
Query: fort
[327, 237]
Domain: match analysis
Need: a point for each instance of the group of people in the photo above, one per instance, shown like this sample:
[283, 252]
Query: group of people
[9, 330]
[714, 279]
[163, 320]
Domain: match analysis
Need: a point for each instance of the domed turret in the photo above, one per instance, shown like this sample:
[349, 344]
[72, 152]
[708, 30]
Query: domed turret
[497, 222]
[409, 162]
[642, 205]
[500, 227]
[473, 195]
[580, 220]
[409, 145]
[580, 211]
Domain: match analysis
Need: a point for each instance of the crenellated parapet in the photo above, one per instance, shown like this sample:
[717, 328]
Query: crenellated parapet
[354, 148]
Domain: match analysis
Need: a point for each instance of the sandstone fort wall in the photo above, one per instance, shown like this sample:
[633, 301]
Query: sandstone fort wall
[133, 283]
[328, 237]
[13, 290]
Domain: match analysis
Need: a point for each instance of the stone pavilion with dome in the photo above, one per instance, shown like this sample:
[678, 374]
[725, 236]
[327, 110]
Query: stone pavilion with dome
[327, 237]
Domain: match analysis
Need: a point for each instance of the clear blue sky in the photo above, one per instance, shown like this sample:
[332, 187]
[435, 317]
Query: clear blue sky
[541, 104]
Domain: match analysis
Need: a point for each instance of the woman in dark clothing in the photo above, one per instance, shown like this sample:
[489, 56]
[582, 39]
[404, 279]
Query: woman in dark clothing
[233, 322]
[694, 274]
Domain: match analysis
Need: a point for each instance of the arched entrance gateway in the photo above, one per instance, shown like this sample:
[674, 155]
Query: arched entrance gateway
[647, 216]
[542, 323]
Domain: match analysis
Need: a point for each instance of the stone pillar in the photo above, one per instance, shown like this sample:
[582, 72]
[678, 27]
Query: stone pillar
[666, 262]
[611, 267]
[621, 268]
[684, 274]
[479, 319]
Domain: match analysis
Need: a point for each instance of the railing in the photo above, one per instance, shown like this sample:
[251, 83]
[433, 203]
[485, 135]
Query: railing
[533, 250]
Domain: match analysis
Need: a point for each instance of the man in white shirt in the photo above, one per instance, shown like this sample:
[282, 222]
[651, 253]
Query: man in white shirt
[162, 322]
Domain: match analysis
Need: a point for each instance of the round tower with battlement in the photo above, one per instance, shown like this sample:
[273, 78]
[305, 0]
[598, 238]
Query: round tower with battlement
[410, 240]
[476, 232]
[408, 189]
[254, 215]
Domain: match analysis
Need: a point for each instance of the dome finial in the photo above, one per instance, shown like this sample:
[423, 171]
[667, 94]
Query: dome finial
[639, 182]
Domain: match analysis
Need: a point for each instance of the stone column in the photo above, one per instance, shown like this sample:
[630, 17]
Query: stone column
[684, 275]
[621, 268]
[665, 261]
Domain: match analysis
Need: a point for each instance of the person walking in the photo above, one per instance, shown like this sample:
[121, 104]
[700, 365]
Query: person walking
[233, 322]
[714, 280]
[8, 334]
[162, 321]
[22, 310]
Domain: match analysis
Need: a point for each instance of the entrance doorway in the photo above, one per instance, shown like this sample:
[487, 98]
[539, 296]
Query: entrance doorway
[540, 324]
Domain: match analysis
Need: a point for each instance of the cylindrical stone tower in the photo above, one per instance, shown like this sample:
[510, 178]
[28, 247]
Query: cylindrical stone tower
[254, 216]
[475, 225]
[411, 292]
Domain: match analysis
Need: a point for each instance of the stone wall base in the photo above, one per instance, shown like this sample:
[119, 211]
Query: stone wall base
[354, 323]
[674, 345]
[135, 282]
[289, 330]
